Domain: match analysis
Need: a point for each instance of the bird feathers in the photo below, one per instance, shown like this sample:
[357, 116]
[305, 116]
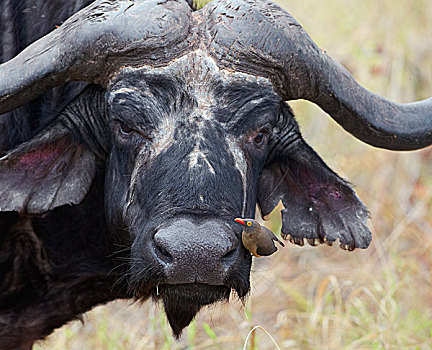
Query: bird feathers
[258, 239]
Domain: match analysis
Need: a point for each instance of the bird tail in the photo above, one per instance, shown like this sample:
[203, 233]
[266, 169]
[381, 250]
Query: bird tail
[279, 241]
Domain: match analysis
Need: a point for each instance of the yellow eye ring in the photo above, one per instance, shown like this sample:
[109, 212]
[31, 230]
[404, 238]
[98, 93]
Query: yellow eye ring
[249, 223]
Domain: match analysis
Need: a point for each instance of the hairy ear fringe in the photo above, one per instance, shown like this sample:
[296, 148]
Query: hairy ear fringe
[319, 206]
[50, 170]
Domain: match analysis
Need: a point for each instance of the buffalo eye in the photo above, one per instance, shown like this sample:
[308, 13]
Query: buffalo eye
[124, 129]
[261, 138]
[125, 132]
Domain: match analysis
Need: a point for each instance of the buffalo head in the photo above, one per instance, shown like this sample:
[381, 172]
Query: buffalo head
[186, 113]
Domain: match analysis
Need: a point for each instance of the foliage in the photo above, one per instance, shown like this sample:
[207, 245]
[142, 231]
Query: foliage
[200, 3]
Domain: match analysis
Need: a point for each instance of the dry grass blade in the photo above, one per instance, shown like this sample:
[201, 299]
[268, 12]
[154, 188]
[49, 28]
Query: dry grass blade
[252, 332]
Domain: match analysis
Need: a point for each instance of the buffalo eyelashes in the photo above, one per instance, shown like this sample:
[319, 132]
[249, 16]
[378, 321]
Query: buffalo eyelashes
[125, 131]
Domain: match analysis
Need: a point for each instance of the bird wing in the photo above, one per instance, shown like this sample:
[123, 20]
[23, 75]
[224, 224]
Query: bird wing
[273, 236]
[266, 249]
[278, 240]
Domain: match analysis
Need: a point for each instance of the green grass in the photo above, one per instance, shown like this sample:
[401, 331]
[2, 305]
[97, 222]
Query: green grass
[323, 297]
[200, 3]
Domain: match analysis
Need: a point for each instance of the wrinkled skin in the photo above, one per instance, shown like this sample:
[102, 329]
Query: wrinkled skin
[156, 165]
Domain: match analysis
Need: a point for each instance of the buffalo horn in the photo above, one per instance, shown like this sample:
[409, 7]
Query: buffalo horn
[93, 44]
[369, 117]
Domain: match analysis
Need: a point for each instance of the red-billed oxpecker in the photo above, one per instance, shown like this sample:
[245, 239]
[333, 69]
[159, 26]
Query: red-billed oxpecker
[258, 239]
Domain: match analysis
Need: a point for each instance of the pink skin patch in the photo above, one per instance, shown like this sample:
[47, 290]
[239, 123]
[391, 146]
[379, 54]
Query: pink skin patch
[38, 156]
[325, 193]
[44, 157]
[335, 194]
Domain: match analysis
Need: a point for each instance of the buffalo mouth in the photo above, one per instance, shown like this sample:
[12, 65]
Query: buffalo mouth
[183, 301]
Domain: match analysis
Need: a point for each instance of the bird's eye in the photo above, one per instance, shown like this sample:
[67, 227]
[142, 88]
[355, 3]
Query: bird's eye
[249, 223]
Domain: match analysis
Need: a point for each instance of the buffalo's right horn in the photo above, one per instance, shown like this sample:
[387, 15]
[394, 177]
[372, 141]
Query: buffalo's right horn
[93, 44]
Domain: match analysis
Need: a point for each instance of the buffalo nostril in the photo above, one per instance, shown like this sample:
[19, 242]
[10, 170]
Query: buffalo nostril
[163, 254]
[229, 254]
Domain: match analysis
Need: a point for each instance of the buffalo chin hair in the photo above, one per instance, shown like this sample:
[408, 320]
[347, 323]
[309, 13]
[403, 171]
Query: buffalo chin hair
[182, 302]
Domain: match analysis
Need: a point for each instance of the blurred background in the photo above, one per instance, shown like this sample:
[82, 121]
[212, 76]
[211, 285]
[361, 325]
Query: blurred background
[323, 297]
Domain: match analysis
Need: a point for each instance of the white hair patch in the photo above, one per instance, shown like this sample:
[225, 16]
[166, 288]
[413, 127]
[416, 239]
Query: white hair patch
[241, 165]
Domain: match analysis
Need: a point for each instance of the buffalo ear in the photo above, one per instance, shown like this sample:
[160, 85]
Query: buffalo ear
[319, 205]
[50, 170]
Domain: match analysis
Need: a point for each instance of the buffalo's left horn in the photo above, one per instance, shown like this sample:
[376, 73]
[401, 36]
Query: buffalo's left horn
[94, 43]
[369, 117]
[261, 38]
[309, 73]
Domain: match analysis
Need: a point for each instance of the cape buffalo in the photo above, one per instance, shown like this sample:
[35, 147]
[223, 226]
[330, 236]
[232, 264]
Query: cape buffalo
[133, 133]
